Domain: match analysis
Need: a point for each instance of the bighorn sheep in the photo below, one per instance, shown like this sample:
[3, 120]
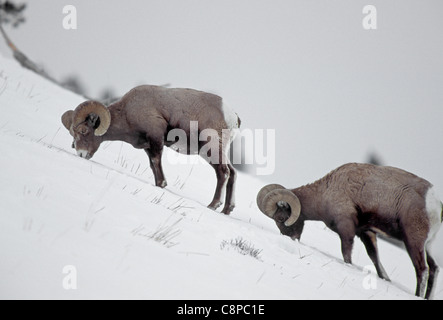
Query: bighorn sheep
[144, 117]
[362, 200]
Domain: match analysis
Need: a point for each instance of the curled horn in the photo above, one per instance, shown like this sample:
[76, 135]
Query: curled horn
[269, 197]
[88, 107]
[263, 192]
[67, 121]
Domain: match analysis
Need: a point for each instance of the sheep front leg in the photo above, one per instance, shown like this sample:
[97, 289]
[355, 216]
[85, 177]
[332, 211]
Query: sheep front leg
[155, 160]
[346, 230]
[346, 248]
[369, 239]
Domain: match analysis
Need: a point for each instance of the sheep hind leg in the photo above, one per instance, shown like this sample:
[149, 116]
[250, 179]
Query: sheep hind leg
[433, 273]
[369, 239]
[222, 172]
[230, 191]
[418, 257]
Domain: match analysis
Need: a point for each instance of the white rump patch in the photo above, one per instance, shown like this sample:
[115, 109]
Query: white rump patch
[231, 117]
[433, 209]
[231, 120]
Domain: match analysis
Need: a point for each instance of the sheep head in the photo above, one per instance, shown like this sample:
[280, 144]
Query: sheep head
[283, 206]
[87, 123]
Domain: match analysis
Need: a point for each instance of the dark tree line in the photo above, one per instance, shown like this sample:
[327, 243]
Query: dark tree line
[13, 14]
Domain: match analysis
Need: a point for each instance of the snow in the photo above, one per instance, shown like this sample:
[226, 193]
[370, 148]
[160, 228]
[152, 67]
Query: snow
[72, 228]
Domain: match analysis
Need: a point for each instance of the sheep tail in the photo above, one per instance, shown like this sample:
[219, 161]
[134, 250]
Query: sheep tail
[238, 120]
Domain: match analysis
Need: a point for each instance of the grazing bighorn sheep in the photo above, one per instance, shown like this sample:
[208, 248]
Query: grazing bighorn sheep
[362, 200]
[144, 117]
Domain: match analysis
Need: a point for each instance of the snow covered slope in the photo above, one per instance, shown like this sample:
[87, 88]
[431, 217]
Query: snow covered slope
[72, 228]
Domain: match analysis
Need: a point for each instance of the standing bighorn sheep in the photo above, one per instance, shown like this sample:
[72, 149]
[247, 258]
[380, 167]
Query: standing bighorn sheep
[144, 117]
[362, 200]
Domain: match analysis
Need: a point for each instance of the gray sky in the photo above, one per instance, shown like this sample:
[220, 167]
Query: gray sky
[333, 91]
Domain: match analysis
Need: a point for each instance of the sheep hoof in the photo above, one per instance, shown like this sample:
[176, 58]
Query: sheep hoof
[214, 205]
[384, 276]
[162, 184]
[227, 210]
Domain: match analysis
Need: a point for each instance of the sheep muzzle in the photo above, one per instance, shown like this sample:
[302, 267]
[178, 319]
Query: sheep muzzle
[84, 154]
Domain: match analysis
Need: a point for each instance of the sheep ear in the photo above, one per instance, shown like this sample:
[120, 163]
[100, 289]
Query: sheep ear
[67, 119]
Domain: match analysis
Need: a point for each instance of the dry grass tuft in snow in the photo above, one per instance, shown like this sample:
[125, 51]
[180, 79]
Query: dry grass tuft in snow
[242, 246]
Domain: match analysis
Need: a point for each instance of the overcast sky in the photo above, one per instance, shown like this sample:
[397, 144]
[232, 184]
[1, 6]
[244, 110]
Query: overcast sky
[333, 91]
